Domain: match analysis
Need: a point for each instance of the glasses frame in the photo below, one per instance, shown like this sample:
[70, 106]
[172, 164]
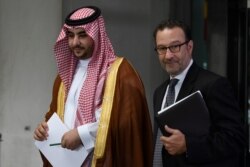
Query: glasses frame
[172, 48]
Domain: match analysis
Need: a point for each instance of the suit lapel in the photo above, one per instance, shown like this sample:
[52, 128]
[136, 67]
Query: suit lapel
[161, 94]
[158, 102]
[188, 83]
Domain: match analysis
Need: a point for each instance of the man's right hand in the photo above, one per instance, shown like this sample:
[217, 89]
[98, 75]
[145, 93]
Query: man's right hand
[41, 132]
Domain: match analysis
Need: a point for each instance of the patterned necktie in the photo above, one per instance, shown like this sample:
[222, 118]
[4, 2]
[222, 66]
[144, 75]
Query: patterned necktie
[171, 92]
[158, 145]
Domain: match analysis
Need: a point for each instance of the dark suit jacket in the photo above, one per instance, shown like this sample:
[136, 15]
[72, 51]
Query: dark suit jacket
[224, 144]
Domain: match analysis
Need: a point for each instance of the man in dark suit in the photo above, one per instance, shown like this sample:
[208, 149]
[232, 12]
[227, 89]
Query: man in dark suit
[224, 144]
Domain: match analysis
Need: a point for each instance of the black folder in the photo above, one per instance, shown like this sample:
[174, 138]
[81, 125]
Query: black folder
[190, 115]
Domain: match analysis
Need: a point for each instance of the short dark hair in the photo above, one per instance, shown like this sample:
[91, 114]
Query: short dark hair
[172, 24]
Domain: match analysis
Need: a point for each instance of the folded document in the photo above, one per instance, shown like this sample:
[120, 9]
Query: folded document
[56, 155]
[190, 115]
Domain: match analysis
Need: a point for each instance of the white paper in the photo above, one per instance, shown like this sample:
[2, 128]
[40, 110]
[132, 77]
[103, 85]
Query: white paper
[58, 156]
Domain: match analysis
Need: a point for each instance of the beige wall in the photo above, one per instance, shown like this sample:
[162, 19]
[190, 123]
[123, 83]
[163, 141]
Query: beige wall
[28, 30]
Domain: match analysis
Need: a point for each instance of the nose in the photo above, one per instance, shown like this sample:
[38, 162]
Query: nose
[168, 54]
[76, 41]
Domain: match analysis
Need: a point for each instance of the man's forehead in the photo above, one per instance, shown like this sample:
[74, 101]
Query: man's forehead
[76, 30]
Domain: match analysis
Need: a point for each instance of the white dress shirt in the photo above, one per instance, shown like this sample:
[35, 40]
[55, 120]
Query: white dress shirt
[87, 132]
[181, 78]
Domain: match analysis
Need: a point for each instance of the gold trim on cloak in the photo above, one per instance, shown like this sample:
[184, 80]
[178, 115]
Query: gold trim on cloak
[61, 101]
[107, 105]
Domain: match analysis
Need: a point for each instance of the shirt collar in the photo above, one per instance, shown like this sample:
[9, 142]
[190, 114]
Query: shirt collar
[83, 63]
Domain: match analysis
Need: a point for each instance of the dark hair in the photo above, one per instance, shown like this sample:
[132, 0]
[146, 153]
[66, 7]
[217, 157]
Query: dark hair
[172, 24]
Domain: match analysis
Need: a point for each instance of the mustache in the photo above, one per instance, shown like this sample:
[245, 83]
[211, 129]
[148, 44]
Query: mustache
[168, 61]
[78, 47]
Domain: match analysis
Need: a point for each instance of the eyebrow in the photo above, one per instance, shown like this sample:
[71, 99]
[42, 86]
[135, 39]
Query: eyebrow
[173, 43]
[81, 32]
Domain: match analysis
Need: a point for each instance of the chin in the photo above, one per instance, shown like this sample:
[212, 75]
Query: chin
[172, 72]
[82, 56]
[79, 55]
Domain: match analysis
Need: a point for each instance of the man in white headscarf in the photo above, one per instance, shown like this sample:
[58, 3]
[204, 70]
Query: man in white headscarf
[99, 96]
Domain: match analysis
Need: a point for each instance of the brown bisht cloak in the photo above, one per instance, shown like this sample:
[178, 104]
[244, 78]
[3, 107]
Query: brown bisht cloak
[124, 137]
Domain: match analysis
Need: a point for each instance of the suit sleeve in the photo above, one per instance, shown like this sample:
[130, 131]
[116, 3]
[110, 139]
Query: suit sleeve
[226, 136]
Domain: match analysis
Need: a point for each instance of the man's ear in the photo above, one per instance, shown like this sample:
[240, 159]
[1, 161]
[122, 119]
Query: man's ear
[190, 46]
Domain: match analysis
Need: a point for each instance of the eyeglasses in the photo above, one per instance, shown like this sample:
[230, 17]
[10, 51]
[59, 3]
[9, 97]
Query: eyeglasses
[161, 50]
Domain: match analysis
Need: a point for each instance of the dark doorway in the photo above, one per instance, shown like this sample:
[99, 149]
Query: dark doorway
[221, 31]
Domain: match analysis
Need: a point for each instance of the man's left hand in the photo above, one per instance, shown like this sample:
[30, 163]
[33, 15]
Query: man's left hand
[176, 143]
[71, 140]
